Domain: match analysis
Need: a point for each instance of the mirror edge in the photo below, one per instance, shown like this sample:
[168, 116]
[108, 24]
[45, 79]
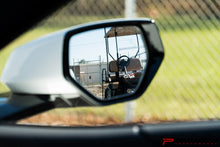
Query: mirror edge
[155, 57]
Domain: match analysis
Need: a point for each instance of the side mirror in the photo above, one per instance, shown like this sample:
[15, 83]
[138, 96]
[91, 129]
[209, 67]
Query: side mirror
[113, 61]
[102, 63]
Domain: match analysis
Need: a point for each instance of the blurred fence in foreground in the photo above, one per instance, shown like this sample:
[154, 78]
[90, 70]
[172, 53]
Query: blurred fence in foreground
[187, 86]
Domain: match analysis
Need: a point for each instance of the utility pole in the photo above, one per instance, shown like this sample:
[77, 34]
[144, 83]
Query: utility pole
[130, 8]
[130, 12]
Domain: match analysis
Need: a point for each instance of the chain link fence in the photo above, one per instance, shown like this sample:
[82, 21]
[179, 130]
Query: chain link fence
[186, 87]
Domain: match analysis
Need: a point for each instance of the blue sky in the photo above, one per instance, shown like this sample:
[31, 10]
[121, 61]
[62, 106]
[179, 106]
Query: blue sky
[90, 45]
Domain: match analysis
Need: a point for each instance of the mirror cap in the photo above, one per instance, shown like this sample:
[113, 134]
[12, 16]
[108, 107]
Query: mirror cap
[40, 66]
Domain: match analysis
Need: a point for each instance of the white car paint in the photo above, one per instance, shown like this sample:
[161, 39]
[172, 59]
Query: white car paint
[36, 67]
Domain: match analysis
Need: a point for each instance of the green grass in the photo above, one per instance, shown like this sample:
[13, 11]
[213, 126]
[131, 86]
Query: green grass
[186, 86]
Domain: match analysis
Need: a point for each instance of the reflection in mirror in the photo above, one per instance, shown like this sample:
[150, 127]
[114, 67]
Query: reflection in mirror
[108, 62]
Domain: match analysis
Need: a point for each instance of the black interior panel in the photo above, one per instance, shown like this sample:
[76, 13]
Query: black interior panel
[131, 135]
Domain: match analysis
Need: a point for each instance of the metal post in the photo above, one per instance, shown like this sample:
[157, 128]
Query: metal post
[100, 68]
[137, 45]
[116, 43]
[107, 52]
[130, 12]
[130, 8]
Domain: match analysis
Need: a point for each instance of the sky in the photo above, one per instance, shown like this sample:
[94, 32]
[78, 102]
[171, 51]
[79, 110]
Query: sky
[90, 46]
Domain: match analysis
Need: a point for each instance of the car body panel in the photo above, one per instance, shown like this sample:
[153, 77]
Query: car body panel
[36, 67]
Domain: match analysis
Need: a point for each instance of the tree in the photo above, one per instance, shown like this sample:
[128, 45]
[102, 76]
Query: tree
[83, 61]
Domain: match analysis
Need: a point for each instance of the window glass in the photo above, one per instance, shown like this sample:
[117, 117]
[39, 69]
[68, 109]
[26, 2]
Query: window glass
[186, 86]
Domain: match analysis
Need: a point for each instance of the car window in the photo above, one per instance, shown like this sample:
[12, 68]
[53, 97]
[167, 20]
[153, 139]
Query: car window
[186, 87]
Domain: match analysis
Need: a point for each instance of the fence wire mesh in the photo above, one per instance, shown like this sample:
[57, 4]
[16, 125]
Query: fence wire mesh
[186, 87]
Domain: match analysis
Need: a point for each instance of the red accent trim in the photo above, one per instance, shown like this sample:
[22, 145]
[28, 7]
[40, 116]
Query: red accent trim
[167, 140]
[171, 140]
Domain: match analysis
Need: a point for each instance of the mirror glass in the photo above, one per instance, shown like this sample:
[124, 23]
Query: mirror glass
[108, 62]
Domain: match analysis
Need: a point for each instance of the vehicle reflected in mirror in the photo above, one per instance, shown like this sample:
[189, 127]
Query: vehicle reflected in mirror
[108, 62]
